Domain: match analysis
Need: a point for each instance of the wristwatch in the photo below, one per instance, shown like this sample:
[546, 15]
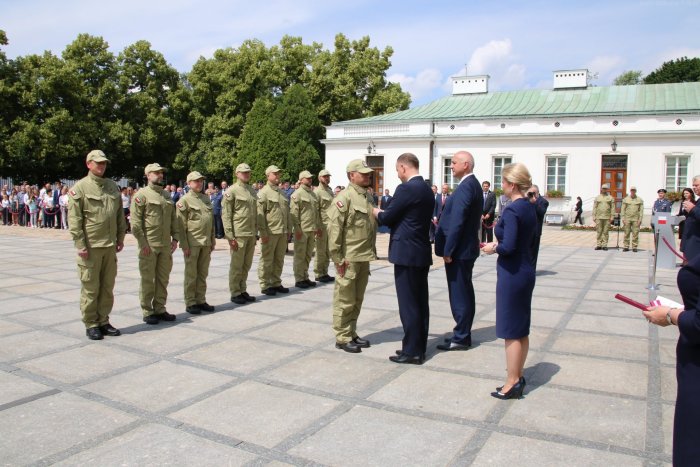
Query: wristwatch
[668, 318]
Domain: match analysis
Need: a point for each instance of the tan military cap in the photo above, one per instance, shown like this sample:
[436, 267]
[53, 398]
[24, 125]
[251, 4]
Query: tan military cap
[606, 186]
[305, 174]
[272, 169]
[358, 165]
[194, 176]
[97, 156]
[242, 168]
[323, 173]
[155, 167]
[633, 188]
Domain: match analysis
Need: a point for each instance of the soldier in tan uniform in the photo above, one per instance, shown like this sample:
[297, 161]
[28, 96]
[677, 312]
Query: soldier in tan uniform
[603, 212]
[306, 219]
[631, 213]
[240, 211]
[97, 225]
[352, 232]
[274, 226]
[154, 225]
[325, 199]
[196, 232]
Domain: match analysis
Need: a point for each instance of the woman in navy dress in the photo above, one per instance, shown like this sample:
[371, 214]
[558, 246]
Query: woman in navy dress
[686, 422]
[515, 232]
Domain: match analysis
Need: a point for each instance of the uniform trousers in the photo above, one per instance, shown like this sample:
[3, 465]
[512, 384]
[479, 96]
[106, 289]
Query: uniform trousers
[97, 274]
[303, 249]
[241, 261]
[272, 261]
[155, 276]
[631, 229]
[196, 272]
[322, 255]
[348, 294]
[602, 226]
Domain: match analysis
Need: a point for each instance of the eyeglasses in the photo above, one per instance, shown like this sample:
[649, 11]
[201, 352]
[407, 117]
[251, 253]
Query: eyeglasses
[531, 194]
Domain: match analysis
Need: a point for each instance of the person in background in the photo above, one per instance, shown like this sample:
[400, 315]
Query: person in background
[33, 208]
[6, 211]
[686, 195]
[603, 212]
[385, 200]
[579, 210]
[515, 276]
[63, 204]
[433, 223]
[126, 206]
[337, 190]
[175, 193]
[489, 212]
[541, 205]
[631, 213]
[691, 229]
[660, 205]
[216, 198]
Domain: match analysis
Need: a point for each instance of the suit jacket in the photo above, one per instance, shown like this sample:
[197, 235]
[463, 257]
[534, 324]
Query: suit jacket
[437, 211]
[489, 206]
[386, 201]
[457, 233]
[691, 234]
[541, 206]
[408, 216]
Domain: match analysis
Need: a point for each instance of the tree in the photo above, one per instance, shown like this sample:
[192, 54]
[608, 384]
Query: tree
[681, 70]
[628, 78]
[262, 143]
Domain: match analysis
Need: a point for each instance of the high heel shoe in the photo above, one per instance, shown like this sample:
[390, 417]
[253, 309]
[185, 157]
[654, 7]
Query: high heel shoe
[516, 392]
[521, 380]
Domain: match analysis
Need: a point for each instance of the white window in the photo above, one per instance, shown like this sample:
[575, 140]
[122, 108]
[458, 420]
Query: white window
[677, 172]
[498, 163]
[556, 173]
[447, 176]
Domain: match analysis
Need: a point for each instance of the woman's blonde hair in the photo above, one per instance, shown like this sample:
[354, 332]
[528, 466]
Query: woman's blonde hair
[517, 174]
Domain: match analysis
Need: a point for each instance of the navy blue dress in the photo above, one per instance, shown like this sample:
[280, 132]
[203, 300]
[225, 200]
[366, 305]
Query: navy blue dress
[515, 231]
[686, 430]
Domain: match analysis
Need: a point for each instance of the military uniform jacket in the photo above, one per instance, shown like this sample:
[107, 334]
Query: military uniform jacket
[240, 211]
[153, 218]
[632, 208]
[325, 199]
[273, 211]
[352, 229]
[95, 214]
[195, 220]
[603, 207]
[304, 209]
[662, 205]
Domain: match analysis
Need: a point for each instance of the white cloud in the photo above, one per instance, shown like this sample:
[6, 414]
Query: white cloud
[607, 67]
[418, 86]
[489, 56]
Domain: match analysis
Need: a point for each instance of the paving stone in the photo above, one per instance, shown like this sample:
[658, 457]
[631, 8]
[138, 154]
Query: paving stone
[503, 449]
[15, 387]
[27, 344]
[667, 425]
[154, 339]
[296, 332]
[52, 424]
[607, 324]
[257, 413]
[158, 386]
[13, 305]
[390, 439]
[669, 385]
[153, 444]
[233, 321]
[7, 328]
[601, 345]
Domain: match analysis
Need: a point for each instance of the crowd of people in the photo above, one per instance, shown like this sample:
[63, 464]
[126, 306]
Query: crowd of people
[28, 205]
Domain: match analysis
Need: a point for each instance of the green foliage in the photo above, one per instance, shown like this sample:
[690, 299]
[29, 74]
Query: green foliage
[554, 194]
[628, 78]
[681, 70]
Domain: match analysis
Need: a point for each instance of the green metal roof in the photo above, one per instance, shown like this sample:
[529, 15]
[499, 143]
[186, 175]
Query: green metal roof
[609, 100]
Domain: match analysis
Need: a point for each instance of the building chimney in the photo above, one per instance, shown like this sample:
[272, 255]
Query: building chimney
[470, 84]
[571, 79]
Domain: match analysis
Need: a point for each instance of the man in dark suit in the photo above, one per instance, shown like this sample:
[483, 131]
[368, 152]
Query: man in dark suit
[408, 215]
[433, 223]
[457, 241]
[385, 200]
[488, 213]
[440, 201]
[541, 205]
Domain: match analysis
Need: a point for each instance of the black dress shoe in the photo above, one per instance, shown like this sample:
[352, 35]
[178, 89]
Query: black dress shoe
[302, 285]
[453, 346]
[165, 316]
[625, 249]
[194, 310]
[151, 319]
[634, 250]
[206, 307]
[109, 330]
[364, 343]
[325, 278]
[348, 347]
[403, 358]
[605, 248]
[516, 392]
[239, 300]
[281, 289]
[271, 291]
[400, 352]
[310, 283]
[94, 334]
[598, 248]
[247, 296]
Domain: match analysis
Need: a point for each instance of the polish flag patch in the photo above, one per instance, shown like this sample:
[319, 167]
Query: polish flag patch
[138, 200]
[339, 204]
[73, 193]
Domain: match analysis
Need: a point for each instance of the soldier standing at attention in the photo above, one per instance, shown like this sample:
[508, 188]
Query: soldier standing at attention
[631, 213]
[352, 232]
[603, 211]
[154, 225]
[273, 226]
[98, 227]
[306, 219]
[196, 231]
[325, 199]
[240, 212]
[660, 205]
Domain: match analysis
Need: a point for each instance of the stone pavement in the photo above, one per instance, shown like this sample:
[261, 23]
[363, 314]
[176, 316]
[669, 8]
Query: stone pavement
[262, 384]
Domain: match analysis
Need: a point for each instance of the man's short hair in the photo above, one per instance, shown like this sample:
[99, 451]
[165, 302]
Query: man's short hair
[486, 182]
[408, 158]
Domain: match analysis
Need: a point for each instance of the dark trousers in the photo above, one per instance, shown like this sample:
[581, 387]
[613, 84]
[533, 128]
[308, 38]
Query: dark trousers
[578, 217]
[535, 251]
[432, 232]
[218, 226]
[462, 299]
[412, 291]
[23, 216]
[486, 234]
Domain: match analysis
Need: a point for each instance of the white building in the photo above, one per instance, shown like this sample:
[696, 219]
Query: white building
[572, 138]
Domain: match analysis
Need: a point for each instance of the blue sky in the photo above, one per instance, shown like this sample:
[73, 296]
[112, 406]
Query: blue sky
[518, 44]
